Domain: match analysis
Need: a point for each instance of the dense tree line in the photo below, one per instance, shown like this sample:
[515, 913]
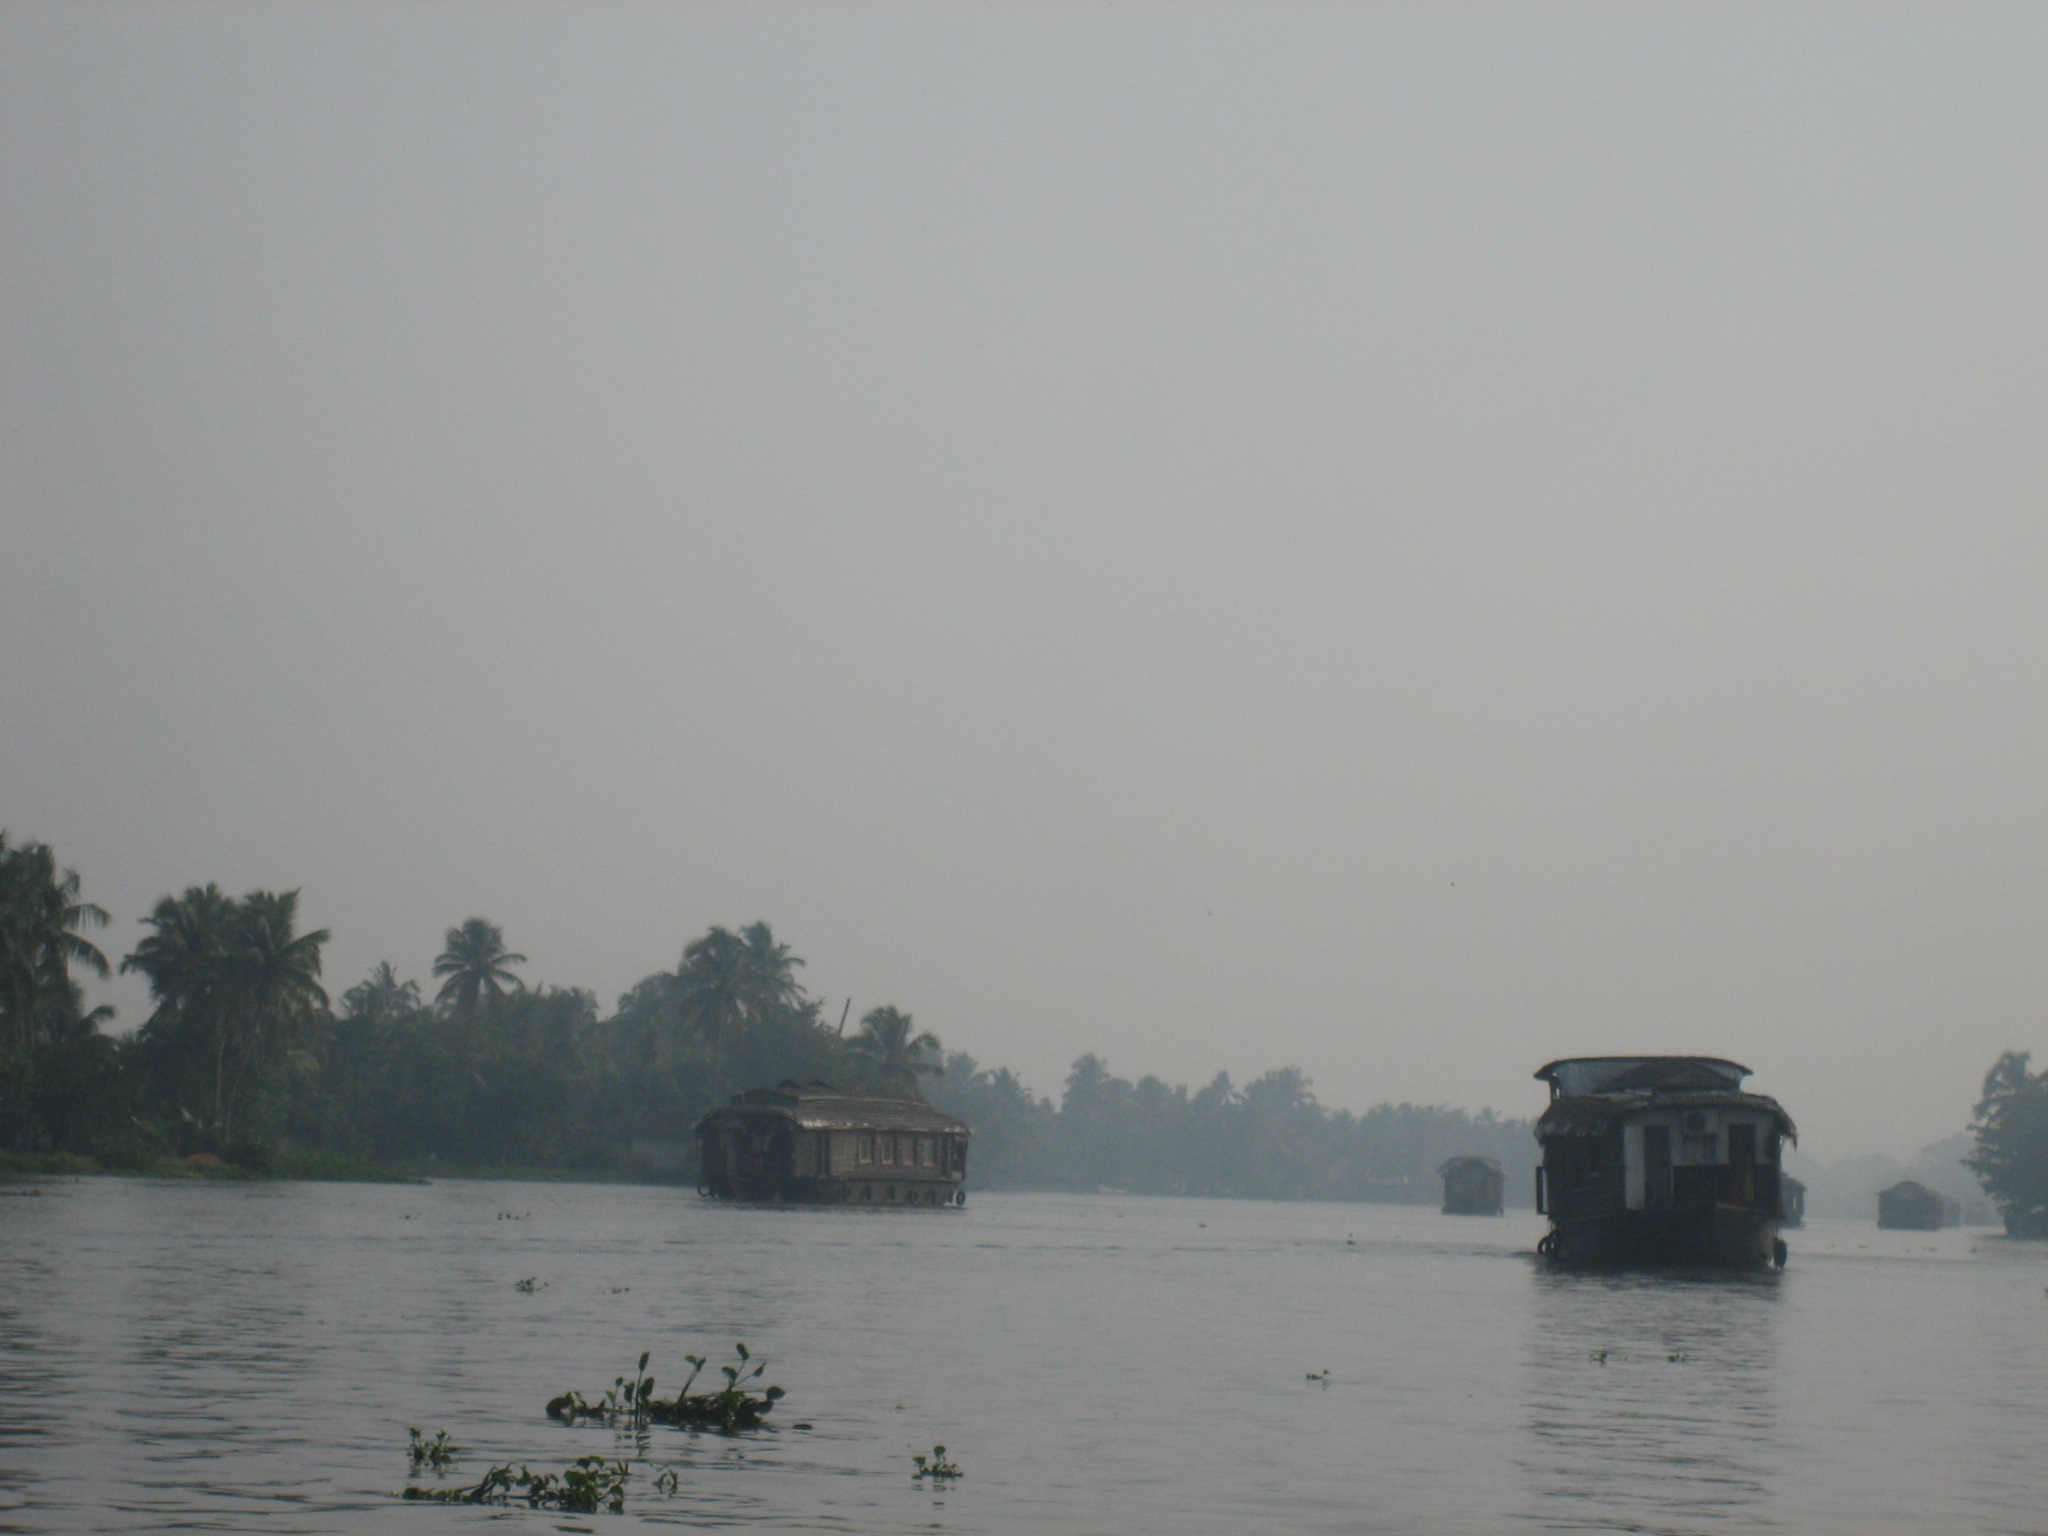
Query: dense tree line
[245, 1057]
[1269, 1139]
[244, 1052]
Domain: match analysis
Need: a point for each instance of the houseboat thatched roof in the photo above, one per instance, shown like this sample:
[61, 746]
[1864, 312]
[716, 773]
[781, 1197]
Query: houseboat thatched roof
[1492, 1164]
[820, 1106]
[1630, 1074]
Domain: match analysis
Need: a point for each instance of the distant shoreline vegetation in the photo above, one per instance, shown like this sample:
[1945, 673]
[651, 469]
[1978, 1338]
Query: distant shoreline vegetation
[246, 1067]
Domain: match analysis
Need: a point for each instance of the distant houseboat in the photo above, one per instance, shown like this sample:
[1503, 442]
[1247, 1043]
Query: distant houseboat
[1911, 1207]
[834, 1146]
[1473, 1186]
[1792, 1197]
[1660, 1160]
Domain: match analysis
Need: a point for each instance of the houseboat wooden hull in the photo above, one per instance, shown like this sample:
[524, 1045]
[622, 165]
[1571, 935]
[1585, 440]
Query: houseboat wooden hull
[1719, 1237]
[897, 1192]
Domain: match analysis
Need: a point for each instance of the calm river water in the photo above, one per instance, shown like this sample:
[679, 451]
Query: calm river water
[248, 1357]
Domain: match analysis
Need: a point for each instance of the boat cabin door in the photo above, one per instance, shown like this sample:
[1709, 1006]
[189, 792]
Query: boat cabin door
[1657, 1167]
[1742, 1164]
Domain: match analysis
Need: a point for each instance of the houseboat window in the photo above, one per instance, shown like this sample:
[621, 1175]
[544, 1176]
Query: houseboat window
[924, 1151]
[866, 1151]
[889, 1150]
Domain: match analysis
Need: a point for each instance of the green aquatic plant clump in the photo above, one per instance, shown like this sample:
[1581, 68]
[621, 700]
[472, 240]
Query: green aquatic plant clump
[586, 1486]
[435, 1455]
[935, 1467]
[630, 1402]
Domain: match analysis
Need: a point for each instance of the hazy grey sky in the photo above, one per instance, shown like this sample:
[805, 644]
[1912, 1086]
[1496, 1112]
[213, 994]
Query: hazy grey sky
[1406, 541]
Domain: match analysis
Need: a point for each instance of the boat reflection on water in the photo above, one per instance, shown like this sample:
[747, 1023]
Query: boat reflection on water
[1652, 1401]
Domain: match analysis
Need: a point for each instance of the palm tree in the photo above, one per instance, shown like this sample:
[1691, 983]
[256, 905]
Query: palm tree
[771, 972]
[184, 955]
[233, 977]
[272, 981]
[895, 1058]
[729, 984]
[478, 967]
[40, 919]
[181, 953]
[711, 988]
[381, 995]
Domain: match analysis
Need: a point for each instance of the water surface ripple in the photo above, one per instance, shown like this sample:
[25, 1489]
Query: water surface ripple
[188, 1356]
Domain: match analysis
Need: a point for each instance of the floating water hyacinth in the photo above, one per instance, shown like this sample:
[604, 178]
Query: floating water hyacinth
[630, 1401]
[584, 1487]
[435, 1455]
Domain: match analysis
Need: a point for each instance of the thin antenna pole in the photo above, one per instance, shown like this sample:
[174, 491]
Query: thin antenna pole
[843, 1013]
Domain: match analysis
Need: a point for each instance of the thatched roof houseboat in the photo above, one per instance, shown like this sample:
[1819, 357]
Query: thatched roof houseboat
[1912, 1207]
[1660, 1160]
[829, 1145]
[1473, 1186]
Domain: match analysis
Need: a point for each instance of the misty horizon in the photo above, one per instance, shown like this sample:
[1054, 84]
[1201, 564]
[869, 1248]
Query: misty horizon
[1404, 542]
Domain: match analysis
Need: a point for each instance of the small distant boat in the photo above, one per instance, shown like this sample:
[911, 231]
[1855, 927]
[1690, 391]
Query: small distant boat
[1660, 1160]
[1792, 1201]
[820, 1144]
[1473, 1186]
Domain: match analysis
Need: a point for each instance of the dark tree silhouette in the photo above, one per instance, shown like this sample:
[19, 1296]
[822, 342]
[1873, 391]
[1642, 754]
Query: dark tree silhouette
[730, 984]
[2011, 1132]
[381, 995]
[231, 979]
[894, 1059]
[476, 967]
[41, 915]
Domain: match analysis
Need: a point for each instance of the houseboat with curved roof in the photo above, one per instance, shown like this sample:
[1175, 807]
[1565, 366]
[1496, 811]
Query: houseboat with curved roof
[1660, 1160]
[1909, 1206]
[1473, 1186]
[820, 1144]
